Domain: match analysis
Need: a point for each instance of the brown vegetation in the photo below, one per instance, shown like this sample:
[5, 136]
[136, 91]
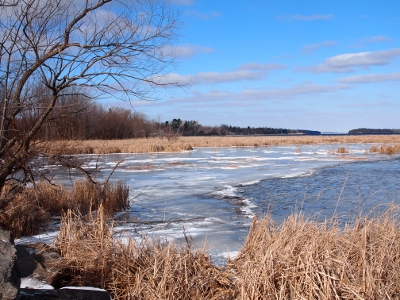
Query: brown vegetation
[386, 149]
[148, 269]
[188, 143]
[32, 210]
[342, 150]
[303, 259]
[298, 259]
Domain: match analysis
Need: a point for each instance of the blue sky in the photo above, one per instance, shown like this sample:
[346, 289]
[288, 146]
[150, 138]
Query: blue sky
[321, 65]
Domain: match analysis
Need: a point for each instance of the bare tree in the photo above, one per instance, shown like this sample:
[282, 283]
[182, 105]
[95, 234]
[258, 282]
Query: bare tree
[100, 47]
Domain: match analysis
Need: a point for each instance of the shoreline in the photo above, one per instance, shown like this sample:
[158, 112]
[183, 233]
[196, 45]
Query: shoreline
[188, 143]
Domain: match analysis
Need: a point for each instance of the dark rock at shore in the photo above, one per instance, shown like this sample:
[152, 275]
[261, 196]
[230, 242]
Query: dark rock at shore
[9, 275]
[39, 261]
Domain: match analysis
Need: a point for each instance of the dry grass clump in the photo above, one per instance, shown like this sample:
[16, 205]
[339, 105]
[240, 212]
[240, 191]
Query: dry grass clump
[92, 256]
[386, 149]
[23, 216]
[302, 259]
[342, 150]
[31, 210]
[298, 259]
[189, 142]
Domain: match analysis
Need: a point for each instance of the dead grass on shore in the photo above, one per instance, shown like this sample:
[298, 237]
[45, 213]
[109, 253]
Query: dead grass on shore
[135, 270]
[298, 259]
[302, 259]
[188, 143]
[33, 209]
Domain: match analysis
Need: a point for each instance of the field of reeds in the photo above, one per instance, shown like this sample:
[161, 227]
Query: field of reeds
[188, 143]
[36, 206]
[297, 259]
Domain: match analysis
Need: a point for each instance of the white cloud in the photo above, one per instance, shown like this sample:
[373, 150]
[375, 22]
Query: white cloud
[377, 39]
[308, 49]
[344, 63]
[299, 17]
[186, 51]
[192, 50]
[258, 66]
[210, 77]
[370, 78]
[260, 94]
[250, 71]
[203, 16]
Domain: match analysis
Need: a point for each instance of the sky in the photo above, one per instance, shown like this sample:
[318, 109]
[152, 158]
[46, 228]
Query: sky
[330, 66]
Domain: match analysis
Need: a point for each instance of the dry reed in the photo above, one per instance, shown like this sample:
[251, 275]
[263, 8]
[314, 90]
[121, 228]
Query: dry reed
[134, 270]
[298, 259]
[302, 259]
[386, 149]
[31, 210]
[188, 143]
[342, 150]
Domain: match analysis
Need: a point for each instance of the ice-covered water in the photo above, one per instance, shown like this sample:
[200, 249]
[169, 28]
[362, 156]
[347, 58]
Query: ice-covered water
[213, 194]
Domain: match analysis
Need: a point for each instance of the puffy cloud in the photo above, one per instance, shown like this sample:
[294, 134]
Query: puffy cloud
[344, 63]
[370, 78]
[308, 49]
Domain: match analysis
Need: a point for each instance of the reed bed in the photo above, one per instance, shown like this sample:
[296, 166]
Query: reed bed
[33, 209]
[303, 259]
[386, 149]
[297, 259]
[188, 143]
[147, 269]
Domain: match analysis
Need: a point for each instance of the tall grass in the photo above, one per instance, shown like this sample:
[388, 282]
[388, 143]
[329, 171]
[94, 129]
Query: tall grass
[188, 143]
[297, 259]
[386, 149]
[302, 259]
[31, 210]
[134, 270]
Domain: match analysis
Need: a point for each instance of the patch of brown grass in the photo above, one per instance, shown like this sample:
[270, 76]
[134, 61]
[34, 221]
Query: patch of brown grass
[189, 142]
[302, 259]
[24, 217]
[298, 259]
[149, 269]
[342, 150]
[32, 209]
[386, 149]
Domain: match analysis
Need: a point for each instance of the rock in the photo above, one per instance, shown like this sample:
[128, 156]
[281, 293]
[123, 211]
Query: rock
[37, 261]
[9, 277]
[65, 294]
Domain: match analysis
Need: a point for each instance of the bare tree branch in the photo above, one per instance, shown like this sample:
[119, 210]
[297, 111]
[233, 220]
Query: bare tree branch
[49, 48]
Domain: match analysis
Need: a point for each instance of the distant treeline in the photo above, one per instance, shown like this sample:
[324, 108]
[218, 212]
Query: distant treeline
[374, 131]
[78, 118]
[236, 130]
